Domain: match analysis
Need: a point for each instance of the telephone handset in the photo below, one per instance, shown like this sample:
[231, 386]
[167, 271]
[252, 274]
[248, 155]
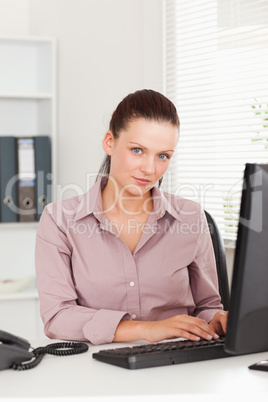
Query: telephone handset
[13, 349]
[17, 353]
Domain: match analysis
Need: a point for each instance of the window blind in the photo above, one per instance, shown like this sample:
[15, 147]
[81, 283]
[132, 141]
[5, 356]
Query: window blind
[216, 73]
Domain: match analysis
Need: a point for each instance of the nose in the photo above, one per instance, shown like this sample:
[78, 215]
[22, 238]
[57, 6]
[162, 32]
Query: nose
[148, 165]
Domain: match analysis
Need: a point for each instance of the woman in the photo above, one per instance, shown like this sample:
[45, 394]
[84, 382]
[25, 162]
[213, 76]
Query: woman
[125, 261]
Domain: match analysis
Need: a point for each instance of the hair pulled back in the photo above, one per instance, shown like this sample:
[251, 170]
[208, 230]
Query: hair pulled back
[145, 103]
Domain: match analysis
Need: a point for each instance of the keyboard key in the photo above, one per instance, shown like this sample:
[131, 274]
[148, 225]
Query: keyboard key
[161, 354]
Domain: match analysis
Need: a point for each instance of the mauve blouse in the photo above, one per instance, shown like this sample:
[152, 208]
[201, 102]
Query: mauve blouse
[88, 280]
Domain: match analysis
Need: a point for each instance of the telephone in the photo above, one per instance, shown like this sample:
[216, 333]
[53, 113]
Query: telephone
[17, 353]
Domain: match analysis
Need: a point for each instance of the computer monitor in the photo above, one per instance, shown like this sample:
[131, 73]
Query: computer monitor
[247, 327]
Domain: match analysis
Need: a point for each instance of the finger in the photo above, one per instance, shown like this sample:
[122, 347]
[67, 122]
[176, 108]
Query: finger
[202, 328]
[187, 335]
[223, 321]
[219, 323]
[202, 332]
[196, 328]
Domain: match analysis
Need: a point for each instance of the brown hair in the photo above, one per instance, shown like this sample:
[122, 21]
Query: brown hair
[144, 103]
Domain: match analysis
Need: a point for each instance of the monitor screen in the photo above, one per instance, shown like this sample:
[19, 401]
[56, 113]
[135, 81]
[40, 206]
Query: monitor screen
[247, 328]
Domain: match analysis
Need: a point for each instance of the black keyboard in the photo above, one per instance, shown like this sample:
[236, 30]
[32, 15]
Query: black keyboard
[162, 354]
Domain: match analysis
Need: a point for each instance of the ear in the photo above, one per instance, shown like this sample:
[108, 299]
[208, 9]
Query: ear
[107, 143]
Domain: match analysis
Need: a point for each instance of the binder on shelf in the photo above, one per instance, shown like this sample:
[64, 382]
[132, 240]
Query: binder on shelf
[8, 178]
[26, 179]
[43, 187]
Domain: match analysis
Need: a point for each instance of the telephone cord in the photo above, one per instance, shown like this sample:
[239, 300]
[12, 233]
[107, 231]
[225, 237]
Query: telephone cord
[56, 349]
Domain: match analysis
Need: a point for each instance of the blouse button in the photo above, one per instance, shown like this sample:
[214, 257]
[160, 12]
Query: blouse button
[132, 283]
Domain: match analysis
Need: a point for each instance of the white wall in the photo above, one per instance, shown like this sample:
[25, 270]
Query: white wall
[14, 17]
[106, 49]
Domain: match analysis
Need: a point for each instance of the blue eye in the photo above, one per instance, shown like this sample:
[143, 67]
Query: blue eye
[163, 156]
[136, 150]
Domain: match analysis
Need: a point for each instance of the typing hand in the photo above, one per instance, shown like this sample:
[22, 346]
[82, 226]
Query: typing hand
[179, 326]
[219, 322]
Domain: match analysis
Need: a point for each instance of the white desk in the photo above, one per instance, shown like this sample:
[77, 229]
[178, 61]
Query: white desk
[81, 376]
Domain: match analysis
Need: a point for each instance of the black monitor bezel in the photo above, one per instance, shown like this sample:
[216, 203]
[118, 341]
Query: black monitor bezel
[238, 342]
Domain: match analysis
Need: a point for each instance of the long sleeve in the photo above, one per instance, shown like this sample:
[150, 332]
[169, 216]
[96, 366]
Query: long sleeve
[203, 275]
[63, 318]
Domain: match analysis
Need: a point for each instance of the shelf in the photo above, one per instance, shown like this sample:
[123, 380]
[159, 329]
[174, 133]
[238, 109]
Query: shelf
[20, 225]
[27, 39]
[28, 103]
[25, 295]
[26, 96]
[27, 68]
[28, 293]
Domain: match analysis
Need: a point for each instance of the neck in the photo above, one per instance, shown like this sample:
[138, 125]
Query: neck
[125, 204]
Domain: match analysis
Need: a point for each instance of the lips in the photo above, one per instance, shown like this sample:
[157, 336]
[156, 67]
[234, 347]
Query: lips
[141, 181]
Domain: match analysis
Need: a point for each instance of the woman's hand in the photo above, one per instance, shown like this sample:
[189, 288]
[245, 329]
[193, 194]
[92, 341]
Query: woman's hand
[185, 326]
[219, 322]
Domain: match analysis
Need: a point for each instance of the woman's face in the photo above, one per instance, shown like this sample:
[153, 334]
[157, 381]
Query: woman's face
[141, 154]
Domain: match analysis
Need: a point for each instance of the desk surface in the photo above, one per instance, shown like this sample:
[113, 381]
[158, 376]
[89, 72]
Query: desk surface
[83, 376]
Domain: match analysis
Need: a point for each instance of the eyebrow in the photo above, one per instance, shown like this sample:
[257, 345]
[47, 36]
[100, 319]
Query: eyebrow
[136, 143]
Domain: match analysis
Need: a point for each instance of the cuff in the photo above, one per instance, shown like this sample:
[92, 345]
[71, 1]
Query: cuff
[207, 315]
[101, 328]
